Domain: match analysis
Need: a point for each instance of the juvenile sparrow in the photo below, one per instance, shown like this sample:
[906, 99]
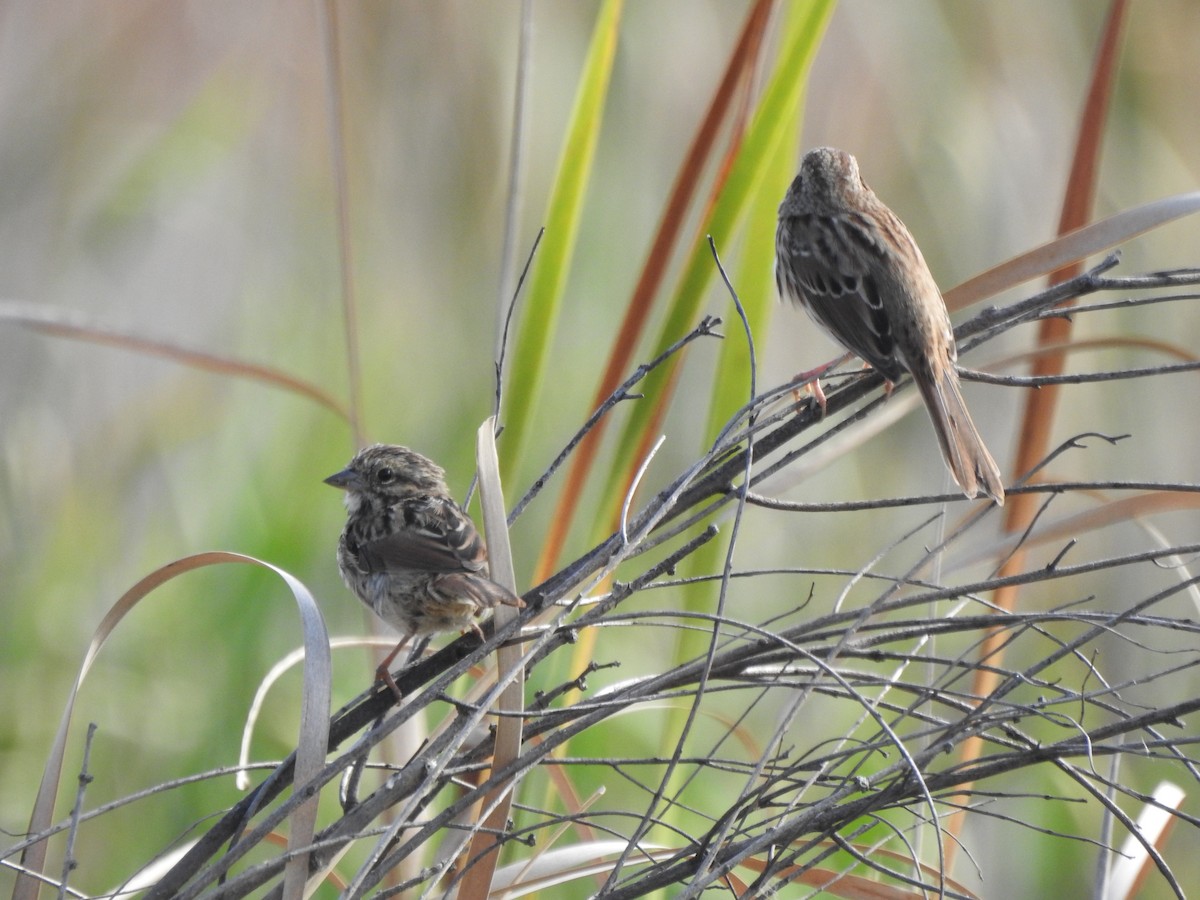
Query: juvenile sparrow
[855, 269]
[409, 551]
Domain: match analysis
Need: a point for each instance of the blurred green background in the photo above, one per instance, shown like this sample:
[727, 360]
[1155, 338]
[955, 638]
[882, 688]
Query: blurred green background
[165, 171]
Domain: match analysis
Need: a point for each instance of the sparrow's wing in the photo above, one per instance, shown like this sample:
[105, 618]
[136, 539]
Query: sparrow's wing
[437, 537]
[434, 535]
[828, 266]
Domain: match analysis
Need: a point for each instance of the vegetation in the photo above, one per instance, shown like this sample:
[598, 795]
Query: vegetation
[762, 649]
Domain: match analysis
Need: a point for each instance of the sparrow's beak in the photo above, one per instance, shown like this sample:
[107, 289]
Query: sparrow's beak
[347, 480]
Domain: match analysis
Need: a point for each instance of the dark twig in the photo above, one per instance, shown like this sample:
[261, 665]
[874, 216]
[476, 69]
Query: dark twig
[739, 513]
[508, 317]
[988, 322]
[1043, 487]
[84, 780]
[649, 816]
[706, 328]
[1037, 381]
[848, 637]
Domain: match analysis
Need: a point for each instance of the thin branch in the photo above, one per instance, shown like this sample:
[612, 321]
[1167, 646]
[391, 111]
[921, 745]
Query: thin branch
[85, 779]
[1036, 381]
[508, 317]
[706, 328]
[797, 797]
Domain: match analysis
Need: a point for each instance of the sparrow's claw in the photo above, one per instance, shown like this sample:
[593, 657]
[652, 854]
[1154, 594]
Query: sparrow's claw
[384, 671]
[811, 385]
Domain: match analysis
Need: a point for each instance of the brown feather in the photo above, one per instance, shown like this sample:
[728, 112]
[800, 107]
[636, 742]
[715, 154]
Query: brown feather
[962, 447]
[853, 266]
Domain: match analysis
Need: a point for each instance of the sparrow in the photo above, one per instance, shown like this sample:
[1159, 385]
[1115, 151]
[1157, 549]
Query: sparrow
[853, 266]
[409, 551]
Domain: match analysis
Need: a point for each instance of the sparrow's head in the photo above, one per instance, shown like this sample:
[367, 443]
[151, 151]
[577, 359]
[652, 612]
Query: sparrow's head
[389, 473]
[828, 182]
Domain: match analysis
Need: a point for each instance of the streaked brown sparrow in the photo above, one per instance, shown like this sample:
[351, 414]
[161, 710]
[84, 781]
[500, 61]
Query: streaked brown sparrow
[855, 269]
[409, 551]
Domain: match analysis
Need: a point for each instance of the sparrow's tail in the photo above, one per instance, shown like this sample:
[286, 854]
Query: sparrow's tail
[968, 459]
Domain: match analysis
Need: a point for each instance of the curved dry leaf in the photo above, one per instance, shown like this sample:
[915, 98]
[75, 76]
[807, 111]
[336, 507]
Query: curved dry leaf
[585, 860]
[568, 864]
[1072, 247]
[571, 821]
[61, 323]
[510, 703]
[145, 878]
[1109, 513]
[1120, 342]
[242, 778]
[856, 887]
[1131, 864]
[1173, 562]
[314, 713]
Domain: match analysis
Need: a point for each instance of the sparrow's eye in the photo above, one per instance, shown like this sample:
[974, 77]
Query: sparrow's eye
[385, 475]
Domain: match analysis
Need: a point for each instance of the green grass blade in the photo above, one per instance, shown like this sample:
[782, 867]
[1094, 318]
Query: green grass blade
[540, 318]
[763, 184]
[755, 286]
[731, 387]
[775, 119]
